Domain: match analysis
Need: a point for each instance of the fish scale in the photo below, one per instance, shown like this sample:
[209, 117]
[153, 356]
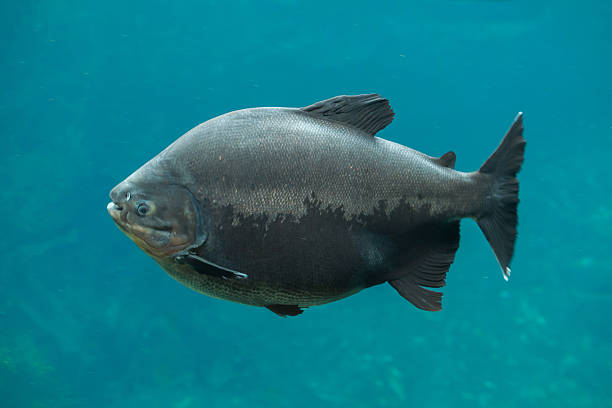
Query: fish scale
[329, 159]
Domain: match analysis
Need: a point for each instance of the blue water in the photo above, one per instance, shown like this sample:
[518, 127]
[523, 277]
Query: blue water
[91, 90]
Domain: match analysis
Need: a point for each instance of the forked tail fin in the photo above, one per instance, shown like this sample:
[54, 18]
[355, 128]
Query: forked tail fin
[499, 223]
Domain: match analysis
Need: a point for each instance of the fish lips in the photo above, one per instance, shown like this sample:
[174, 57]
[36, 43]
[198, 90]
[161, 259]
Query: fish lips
[116, 212]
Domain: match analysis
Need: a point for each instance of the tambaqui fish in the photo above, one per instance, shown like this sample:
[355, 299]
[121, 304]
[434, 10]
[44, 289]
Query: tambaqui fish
[288, 208]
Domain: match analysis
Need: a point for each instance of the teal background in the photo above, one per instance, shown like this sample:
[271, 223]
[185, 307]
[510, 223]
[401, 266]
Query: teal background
[91, 90]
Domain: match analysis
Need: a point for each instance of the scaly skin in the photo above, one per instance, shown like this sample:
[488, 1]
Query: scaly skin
[311, 210]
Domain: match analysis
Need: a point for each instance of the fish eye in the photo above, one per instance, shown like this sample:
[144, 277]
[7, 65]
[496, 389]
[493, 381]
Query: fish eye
[142, 209]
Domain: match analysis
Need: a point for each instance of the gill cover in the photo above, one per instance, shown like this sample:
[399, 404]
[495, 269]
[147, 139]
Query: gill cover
[199, 232]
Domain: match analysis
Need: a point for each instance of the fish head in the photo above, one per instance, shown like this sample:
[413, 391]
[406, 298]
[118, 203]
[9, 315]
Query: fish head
[163, 219]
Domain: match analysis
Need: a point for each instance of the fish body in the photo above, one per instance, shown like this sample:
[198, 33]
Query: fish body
[288, 208]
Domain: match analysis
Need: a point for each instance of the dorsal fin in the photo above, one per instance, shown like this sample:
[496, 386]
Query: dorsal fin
[369, 113]
[447, 160]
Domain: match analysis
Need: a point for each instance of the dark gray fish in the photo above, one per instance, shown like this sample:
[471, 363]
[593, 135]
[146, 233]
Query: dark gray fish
[288, 208]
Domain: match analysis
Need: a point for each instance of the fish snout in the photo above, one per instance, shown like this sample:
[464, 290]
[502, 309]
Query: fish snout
[120, 194]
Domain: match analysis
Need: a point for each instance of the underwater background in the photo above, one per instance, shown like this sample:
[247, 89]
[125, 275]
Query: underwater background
[92, 90]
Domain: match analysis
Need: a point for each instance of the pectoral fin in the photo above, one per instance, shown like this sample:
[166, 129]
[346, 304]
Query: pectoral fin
[204, 267]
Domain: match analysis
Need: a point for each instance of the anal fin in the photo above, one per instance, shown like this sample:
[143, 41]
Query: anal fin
[427, 265]
[285, 310]
[420, 297]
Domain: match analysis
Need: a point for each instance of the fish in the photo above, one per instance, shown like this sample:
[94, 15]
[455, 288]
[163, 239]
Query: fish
[289, 208]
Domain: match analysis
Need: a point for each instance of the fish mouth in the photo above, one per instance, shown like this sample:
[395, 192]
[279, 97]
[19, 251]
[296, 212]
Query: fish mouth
[119, 214]
[116, 212]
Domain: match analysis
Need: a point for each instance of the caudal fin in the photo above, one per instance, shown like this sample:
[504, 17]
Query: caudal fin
[499, 223]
